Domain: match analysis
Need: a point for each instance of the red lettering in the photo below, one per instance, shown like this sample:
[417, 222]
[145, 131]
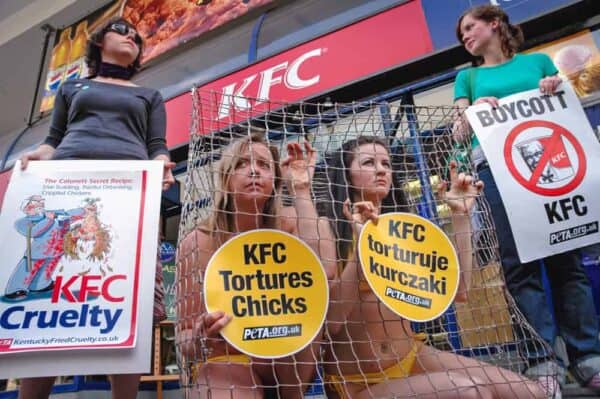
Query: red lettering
[60, 288]
[89, 285]
[105, 285]
[86, 288]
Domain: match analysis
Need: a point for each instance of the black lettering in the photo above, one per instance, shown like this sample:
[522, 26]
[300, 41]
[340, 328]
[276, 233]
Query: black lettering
[536, 105]
[264, 281]
[237, 282]
[225, 274]
[286, 304]
[499, 115]
[549, 104]
[485, 118]
[393, 229]
[442, 263]
[401, 278]
[413, 257]
[370, 239]
[425, 260]
[419, 233]
[300, 305]
[443, 286]
[307, 279]
[237, 303]
[510, 108]
[423, 284]
[407, 228]
[433, 264]
[559, 95]
[551, 213]
[275, 307]
[525, 112]
[434, 285]
[249, 255]
[579, 210]
[413, 281]
[373, 267]
[265, 250]
[277, 257]
[294, 280]
[565, 206]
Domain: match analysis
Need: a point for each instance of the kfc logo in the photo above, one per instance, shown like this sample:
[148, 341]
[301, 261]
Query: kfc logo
[287, 73]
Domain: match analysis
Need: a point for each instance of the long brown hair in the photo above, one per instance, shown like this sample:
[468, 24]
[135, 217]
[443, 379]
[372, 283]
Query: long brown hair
[511, 36]
[341, 188]
[220, 222]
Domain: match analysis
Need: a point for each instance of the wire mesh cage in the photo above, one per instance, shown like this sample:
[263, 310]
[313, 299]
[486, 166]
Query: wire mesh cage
[364, 350]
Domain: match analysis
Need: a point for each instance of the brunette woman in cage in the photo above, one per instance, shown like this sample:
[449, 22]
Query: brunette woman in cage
[374, 353]
[247, 195]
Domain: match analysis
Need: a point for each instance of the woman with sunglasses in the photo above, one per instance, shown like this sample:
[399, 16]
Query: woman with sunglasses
[107, 117]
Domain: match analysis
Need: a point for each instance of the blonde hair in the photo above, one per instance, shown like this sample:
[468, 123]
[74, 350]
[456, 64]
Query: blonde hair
[220, 221]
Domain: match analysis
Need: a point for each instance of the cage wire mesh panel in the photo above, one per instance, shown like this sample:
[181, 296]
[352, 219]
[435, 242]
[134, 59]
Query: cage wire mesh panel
[355, 353]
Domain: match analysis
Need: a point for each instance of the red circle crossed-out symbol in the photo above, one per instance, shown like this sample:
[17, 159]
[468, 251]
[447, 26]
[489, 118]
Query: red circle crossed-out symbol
[532, 183]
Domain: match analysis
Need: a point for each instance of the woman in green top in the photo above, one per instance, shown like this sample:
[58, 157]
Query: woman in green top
[487, 34]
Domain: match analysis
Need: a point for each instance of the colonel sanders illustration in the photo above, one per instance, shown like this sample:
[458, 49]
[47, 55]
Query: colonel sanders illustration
[44, 231]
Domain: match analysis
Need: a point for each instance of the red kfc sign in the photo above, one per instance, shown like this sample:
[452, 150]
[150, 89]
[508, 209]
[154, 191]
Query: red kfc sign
[285, 73]
[368, 47]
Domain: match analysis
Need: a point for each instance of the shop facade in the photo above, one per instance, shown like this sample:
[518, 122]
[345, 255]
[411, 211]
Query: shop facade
[389, 52]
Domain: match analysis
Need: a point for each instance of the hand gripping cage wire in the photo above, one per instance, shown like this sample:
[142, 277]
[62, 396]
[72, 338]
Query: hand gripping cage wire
[487, 327]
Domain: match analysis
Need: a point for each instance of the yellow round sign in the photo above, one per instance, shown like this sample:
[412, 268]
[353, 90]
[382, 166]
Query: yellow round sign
[410, 264]
[274, 287]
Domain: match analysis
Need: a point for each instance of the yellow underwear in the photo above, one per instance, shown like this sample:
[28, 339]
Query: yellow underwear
[397, 371]
[232, 359]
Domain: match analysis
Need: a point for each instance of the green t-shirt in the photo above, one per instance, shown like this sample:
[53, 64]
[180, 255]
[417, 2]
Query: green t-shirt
[523, 72]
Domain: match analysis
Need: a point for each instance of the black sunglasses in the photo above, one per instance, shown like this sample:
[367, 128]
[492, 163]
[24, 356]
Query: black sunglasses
[123, 30]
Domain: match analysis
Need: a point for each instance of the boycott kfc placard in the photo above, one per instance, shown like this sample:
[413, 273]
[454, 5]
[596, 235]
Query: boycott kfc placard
[547, 169]
[79, 252]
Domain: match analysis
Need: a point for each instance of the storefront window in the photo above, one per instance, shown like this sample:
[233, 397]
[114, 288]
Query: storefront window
[577, 58]
[442, 95]
[349, 125]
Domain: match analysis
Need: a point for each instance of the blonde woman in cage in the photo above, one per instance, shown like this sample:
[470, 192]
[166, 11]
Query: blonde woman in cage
[248, 182]
[373, 353]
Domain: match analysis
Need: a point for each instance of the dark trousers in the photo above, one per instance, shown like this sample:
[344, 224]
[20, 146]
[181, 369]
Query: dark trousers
[574, 310]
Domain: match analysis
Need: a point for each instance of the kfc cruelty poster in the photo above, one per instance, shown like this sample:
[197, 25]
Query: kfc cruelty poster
[79, 249]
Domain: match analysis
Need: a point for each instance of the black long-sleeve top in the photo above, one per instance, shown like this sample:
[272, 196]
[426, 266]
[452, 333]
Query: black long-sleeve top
[98, 120]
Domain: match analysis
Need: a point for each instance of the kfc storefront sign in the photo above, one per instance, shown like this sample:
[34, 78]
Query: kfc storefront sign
[334, 60]
[286, 73]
